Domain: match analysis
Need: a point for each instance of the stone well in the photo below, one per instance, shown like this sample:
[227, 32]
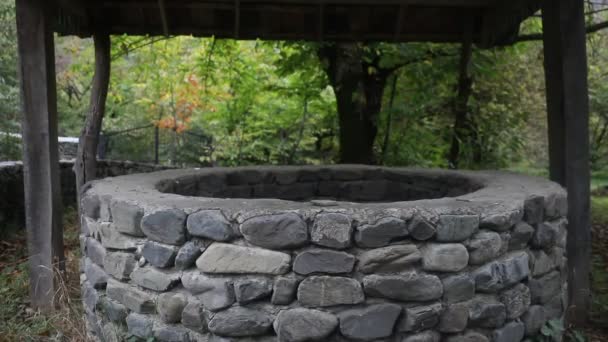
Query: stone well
[342, 253]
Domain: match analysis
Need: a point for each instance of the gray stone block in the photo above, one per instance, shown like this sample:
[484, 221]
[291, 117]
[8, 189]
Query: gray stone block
[154, 279]
[511, 332]
[332, 230]
[170, 333]
[210, 224]
[284, 291]
[381, 233]
[112, 239]
[95, 251]
[193, 317]
[225, 258]
[96, 276]
[369, 323]
[445, 257]
[90, 296]
[119, 264]
[469, 336]
[456, 228]
[541, 263]
[113, 310]
[321, 291]
[421, 229]
[419, 318]
[516, 300]
[458, 288]
[543, 289]
[131, 297]
[127, 218]
[502, 219]
[454, 318]
[280, 231]
[421, 287]
[534, 209]
[500, 274]
[240, 321]
[159, 255]
[104, 208]
[521, 235]
[252, 289]
[483, 247]
[166, 226]
[323, 261]
[300, 325]
[545, 235]
[425, 336]
[486, 312]
[214, 293]
[187, 255]
[556, 205]
[89, 206]
[170, 306]
[533, 320]
[396, 258]
[140, 325]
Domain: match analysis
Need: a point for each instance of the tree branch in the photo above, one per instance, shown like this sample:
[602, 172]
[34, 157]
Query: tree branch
[539, 36]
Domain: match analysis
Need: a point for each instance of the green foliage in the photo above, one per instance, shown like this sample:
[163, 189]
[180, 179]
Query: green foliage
[225, 102]
[215, 102]
[553, 329]
[9, 85]
[422, 113]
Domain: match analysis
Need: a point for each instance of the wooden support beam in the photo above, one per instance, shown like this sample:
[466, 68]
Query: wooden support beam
[85, 166]
[567, 102]
[237, 18]
[40, 149]
[554, 82]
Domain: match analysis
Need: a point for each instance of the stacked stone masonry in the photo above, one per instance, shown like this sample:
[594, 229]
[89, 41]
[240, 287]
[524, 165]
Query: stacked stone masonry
[338, 253]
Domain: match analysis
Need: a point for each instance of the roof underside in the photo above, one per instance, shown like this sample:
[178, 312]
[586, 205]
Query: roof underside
[495, 22]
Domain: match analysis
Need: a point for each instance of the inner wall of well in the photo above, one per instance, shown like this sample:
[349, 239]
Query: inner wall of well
[378, 185]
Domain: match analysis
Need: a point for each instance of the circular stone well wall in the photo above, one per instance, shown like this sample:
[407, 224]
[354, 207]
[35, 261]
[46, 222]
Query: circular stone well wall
[337, 253]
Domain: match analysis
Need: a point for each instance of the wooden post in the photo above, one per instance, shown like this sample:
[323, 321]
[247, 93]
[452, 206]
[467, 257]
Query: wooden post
[568, 113]
[85, 166]
[40, 149]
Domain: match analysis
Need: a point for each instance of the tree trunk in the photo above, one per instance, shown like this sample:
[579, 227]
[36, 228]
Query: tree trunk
[461, 120]
[85, 166]
[389, 119]
[359, 88]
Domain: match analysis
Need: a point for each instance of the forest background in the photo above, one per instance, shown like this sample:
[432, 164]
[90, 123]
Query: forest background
[211, 102]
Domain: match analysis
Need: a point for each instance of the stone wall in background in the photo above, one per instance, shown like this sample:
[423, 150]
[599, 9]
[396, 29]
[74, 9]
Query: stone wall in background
[488, 265]
[12, 211]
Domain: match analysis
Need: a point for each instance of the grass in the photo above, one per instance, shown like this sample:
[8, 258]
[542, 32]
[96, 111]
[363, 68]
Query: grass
[599, 312]
[20, 323]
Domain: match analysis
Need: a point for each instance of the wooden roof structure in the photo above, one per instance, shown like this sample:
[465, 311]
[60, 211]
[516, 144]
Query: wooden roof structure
[495, 22]
[488, 22]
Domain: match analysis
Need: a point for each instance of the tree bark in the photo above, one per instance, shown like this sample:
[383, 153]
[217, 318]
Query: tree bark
[461, 117]
[564, 40]
[359, 88]
[85, 166]
[42, 187]
[389, 120]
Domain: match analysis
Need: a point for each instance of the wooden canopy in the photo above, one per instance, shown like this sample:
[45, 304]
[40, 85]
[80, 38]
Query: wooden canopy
[489, 22]
[495, 22]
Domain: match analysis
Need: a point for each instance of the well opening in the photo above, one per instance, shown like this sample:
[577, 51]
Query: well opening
[322, 183]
